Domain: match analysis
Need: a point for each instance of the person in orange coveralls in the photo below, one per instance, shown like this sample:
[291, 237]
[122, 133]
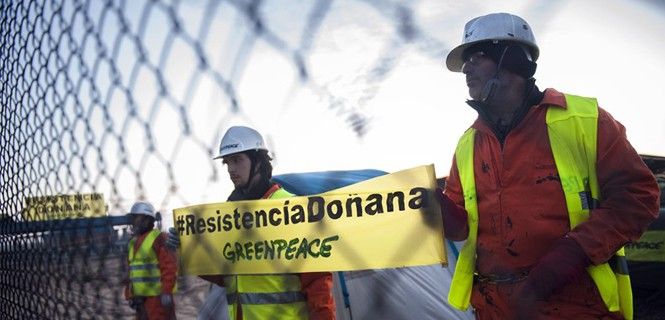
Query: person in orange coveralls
[545, 188]
[152, 267]
[257, 297]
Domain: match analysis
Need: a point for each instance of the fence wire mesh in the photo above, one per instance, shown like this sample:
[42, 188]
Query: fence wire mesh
[122, 99]
[126, 100]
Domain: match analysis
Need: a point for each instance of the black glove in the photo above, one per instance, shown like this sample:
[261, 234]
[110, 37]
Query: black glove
[135, 303]
[565, 263]
[173, 240]
[166, 300]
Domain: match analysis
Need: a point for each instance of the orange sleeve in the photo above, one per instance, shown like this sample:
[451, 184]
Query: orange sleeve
[128, 292]
[168, 265]
[455, 207]
[629, 195]
[317, 287]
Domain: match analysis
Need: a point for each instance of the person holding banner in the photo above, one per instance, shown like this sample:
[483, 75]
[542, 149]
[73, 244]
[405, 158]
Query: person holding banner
[152, 267]
[545, 188]
[250, 297]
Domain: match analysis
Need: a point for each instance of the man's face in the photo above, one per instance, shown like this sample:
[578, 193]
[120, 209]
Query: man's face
[478, 69]
[238, 166]
[140, 223]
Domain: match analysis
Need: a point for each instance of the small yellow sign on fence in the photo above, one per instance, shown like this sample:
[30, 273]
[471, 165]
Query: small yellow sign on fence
[64, 206]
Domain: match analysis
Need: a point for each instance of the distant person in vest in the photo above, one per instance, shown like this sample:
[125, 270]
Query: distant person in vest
[152, 267]
[545, 188]
[257, 297]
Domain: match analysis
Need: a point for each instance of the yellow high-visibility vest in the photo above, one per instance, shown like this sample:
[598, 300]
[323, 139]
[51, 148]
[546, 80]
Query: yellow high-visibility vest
[267, 296]
[573, 135]
[144, 274]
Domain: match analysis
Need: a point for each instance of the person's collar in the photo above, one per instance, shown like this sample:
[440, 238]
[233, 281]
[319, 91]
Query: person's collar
[271, 190]
[142, 232]
[535, 99]
[552, 97]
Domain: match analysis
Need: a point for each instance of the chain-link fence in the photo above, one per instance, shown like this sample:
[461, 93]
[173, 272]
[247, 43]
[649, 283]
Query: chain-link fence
[127, 100]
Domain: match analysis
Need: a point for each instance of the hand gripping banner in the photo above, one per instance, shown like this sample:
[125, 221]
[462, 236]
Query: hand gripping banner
[385, 222]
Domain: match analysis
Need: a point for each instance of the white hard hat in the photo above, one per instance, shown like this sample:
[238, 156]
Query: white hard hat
[144, 208]
[239, 139]
[493, 27]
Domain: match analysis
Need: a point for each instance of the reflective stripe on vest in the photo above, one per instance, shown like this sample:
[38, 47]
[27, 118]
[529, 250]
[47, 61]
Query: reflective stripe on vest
[267, 296]
[143, 267]
[144, 274]
[572, 133]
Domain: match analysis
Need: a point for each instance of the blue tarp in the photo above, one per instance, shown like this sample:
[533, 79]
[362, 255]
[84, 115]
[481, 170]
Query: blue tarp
[310, 183]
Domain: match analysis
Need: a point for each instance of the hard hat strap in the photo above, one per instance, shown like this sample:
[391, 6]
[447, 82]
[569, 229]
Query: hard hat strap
[253, 159]
[493, 83]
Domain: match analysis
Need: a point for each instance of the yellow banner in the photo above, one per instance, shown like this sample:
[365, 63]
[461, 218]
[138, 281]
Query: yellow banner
[385, 222]
[650, 247]
[63, 206]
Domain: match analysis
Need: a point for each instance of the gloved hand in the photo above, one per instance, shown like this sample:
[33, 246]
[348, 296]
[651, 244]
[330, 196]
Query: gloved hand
[173, 239]
[566, 262]
[166, 300]
[455, 219]
[135, 302]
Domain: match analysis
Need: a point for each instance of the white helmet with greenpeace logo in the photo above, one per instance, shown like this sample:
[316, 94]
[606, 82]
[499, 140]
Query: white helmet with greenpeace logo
[493, 27]
[238, 139]
[143, 208]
